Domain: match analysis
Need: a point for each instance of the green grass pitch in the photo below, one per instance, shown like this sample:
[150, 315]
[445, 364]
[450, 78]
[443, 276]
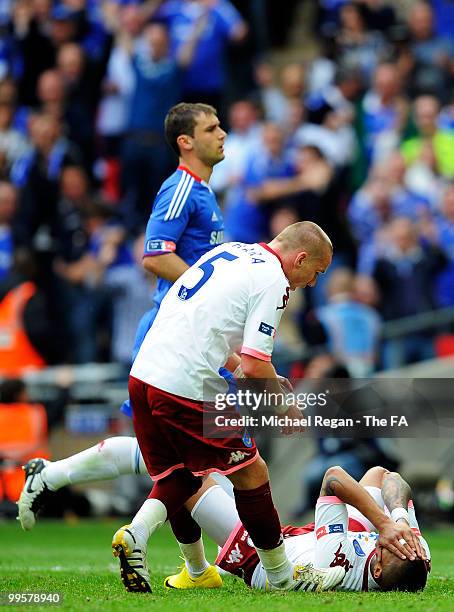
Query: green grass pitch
[75, 560]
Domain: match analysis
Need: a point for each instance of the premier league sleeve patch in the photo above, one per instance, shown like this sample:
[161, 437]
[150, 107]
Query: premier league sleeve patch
[327, 529]
[157, 247]
[267, 329]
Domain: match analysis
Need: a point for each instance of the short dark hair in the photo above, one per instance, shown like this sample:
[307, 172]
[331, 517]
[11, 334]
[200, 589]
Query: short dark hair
[181, 119]
[400, 575]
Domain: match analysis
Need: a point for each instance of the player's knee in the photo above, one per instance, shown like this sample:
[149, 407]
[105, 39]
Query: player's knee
[109, 446]
[252, 476]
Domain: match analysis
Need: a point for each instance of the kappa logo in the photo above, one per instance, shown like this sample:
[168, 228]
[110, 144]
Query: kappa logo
[236, 456]
[235, 555]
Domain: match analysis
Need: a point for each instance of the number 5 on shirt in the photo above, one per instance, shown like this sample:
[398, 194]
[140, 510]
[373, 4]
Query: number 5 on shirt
[185, 293]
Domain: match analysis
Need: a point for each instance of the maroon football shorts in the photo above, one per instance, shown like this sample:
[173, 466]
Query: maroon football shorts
[169, 430]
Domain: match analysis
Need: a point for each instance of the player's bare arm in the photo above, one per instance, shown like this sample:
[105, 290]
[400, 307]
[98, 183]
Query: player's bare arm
[396, 493]
[168, 266]
[259, 369]
[337, 482]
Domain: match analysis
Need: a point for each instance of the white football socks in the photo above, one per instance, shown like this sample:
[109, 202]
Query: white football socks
[109, 459]
[215, 512]
[194, 556]
[148, 519]
[279, 570]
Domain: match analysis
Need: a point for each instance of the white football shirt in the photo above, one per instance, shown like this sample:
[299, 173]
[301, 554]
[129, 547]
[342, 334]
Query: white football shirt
[331, 544]
[231, 299]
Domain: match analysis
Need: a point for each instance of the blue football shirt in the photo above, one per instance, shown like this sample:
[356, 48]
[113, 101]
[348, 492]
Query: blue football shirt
[185, 220]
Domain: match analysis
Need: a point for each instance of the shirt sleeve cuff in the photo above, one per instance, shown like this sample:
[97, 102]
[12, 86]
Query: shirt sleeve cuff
[254, 353]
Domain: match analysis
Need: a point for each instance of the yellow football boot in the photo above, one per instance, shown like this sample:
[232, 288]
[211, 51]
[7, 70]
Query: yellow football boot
[210, 579]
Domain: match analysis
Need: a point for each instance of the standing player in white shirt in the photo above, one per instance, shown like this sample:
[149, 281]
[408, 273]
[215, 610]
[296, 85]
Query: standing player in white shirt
[234, 294]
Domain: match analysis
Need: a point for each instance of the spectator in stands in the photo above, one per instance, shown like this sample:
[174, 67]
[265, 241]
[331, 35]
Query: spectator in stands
[383, 197]
[404, 201]
[39, 176]
[268, 94]
[357, 46]
[24, 430]
[293, 82]
[405, 275]
[379, 15]
[295, 118]
[31, 36]
[440, 231]
[8, 208]
[426, 110]
[70, 237]
[341, 92]
[9, 95]
[204, 75]
[29, 337]
[15, 391]
[248, 206]
[51, 93]
[330, 131]
[242, 141]
[277, 101]
[383, 113]
[423, 177]
[82, 82]
[117, 87]
[13, 145]
[146, 157]
[433, 54]
[352, 328]
[366, 291]
[89, 312]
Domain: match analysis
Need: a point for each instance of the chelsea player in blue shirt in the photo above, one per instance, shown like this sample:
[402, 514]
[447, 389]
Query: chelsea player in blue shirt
[186, 220]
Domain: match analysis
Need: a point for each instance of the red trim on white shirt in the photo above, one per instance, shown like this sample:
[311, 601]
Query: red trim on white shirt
[268, 248]
[366, 570]
[255, 353]
[329, 499]
[185, 169]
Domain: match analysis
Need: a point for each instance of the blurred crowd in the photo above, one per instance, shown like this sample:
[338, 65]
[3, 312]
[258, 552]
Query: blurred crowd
[357, 135]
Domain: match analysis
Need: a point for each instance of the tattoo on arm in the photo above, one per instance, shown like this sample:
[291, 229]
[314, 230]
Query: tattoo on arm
[395, 491]
[329, 486]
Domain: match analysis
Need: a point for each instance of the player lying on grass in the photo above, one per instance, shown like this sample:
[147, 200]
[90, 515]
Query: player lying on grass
[346, 517]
